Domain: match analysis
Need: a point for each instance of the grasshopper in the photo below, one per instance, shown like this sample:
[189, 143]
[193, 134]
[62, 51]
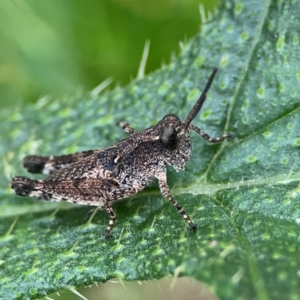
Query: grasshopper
[100, 177]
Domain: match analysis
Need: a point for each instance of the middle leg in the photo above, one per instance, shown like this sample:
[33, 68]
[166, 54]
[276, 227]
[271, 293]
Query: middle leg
[127, 128]
[112, 219]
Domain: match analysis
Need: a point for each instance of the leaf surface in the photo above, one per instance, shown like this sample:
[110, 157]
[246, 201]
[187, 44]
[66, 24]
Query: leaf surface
[244, 195]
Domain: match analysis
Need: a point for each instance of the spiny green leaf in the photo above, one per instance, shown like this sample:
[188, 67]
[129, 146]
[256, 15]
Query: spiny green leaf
[244, 195]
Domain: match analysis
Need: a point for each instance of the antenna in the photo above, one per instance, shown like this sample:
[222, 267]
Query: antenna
[200, 101]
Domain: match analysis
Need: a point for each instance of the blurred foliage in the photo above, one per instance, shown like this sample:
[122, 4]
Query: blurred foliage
[58, 47]
[172, 288]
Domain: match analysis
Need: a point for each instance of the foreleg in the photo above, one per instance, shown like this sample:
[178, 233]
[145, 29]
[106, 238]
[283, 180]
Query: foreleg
[162, 180]
[208, 137]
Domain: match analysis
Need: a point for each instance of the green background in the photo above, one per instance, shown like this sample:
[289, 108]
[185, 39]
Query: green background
[60, 47]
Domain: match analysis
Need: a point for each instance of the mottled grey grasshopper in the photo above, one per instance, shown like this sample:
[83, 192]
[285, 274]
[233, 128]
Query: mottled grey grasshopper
[100, 177]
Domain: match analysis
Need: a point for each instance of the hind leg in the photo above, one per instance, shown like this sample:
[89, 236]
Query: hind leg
[65, 190]
[50, 164]
[27, 187]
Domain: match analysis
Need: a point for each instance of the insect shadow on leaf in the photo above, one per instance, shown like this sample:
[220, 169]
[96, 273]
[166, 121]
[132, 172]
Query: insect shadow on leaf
[100, 177]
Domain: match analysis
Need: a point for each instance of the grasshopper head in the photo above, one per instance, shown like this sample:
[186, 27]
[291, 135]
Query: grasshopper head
[175, 141]
[174, 135]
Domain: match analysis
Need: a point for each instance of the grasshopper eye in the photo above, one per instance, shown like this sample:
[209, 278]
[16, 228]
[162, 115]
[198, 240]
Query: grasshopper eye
[168, 138]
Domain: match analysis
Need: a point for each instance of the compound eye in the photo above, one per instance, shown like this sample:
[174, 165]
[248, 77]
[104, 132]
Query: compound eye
[168, 138]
